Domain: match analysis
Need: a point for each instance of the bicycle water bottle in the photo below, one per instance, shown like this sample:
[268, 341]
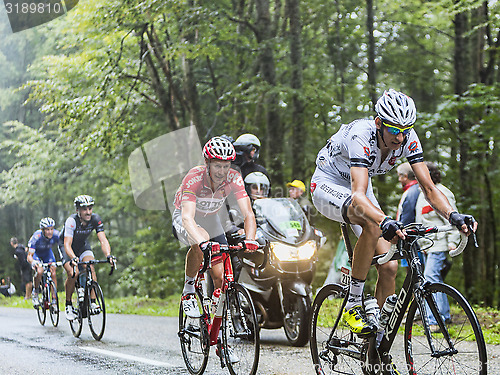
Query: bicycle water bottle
[81, 294]
[215, 300]
[385, 314]
[372, 310]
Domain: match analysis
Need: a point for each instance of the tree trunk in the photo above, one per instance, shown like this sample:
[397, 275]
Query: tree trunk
[275, 131]
[372, 72]
[299, 134]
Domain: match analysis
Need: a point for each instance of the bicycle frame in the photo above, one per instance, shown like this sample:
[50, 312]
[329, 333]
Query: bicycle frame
[214, 324]
[413, 285]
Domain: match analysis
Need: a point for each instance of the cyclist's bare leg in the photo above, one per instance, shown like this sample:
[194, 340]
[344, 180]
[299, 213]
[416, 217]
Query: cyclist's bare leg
[217, 273]
[38, 276]
[386, 282]
[365, 246]
[194, 255]
[92, 270]
[69, 284]
[53, 274]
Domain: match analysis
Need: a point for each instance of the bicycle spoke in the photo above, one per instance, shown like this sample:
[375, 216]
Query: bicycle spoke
[195, 346]
[467, 352]
[240, 332]
[96, 311]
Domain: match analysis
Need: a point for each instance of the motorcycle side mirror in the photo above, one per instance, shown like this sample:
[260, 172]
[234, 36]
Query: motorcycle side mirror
[236, 215]
[260, 220]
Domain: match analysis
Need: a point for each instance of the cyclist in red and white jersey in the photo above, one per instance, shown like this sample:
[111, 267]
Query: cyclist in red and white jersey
[342, 191]
[202, 193]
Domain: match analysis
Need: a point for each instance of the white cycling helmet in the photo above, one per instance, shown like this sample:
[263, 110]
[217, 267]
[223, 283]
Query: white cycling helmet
[83, 201]
[219, 148]
[47, 222]
[260, 184]
[397, 108]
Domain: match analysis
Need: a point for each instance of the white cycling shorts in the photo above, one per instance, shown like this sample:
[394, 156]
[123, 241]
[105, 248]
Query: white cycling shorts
[332, 199]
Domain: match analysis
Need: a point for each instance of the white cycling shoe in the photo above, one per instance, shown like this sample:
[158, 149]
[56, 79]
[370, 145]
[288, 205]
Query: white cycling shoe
[190, 306]
[233, 358]
[36, 302]
[70, 315]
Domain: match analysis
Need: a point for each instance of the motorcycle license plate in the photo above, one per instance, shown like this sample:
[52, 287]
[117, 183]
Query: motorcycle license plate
[345, 278]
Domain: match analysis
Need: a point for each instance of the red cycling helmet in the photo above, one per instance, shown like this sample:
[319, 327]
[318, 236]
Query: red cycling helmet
[219, 148]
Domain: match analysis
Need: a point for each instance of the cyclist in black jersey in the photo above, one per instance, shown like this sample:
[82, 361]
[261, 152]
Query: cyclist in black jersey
[74, 246]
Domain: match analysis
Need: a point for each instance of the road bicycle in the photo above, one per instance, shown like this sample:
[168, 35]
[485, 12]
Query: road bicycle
[47, 295]
[234, 314]
[90, 300]
[456, 347]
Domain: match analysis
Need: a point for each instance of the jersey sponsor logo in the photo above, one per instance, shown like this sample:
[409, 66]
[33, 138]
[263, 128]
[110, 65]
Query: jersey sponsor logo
[193, 181]
[413, 146]
[313, 187]
[209, 205]
[426, 210]
[366, 151]
[392, 160]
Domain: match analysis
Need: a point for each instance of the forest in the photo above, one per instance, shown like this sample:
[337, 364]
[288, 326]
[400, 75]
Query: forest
[79, 94]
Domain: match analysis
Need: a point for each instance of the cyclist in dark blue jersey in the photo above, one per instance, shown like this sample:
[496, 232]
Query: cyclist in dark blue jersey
[74, 246]
[40, 251]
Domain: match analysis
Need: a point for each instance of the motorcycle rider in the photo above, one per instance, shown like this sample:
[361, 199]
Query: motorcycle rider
[247, 148]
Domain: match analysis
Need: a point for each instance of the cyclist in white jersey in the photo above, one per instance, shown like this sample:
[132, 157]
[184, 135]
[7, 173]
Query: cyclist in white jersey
[342, 191]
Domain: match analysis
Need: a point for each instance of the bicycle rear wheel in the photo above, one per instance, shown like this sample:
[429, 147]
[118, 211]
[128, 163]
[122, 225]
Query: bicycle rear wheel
[96, 311]
[53, 304]
[40, 309]
[195, 343]
[331, 340]
[240, 332]
[77, 323]
[464, 352]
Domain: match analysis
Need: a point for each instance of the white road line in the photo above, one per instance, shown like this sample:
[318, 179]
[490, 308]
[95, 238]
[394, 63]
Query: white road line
[127, 356]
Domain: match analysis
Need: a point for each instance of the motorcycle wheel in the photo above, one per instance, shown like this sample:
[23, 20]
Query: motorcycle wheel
[296, 319]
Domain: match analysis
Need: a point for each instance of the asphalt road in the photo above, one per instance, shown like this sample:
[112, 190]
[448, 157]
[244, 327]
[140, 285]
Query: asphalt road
[134, 345]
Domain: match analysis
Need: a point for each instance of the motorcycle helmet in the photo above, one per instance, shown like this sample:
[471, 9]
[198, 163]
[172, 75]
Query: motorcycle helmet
[257, 185]
[245, 144]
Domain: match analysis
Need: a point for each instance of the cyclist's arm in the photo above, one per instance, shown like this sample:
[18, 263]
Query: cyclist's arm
[29, 257]
[360, 202]
[106, 249]
[432, 194]
[68, 242]
[188, 211]
[249, 218]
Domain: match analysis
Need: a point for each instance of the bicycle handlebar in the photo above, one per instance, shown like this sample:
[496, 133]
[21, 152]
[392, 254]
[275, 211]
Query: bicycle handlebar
[94, 261]
[57, 264]
[223, 249]
[422, 232]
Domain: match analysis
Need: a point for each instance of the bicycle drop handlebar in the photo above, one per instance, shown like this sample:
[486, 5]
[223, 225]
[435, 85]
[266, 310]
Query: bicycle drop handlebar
[94, 261]
[413, 231]
[228, 249]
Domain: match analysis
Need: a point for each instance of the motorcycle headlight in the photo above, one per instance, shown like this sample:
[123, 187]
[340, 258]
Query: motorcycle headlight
[287, 253]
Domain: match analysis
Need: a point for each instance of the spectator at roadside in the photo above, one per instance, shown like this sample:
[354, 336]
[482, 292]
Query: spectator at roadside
[443, 242]
[25, 268]
[406, 207]
[296, 190]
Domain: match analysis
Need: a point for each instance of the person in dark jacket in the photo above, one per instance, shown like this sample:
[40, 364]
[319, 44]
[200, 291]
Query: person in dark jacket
[25, 268]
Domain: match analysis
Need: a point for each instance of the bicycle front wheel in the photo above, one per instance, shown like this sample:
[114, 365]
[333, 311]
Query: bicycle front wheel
[195, 343]
[334, 348]
[77, 323]
[457, 349]
[96, 311]
[41, 308]
[240, 332]
[53, 304]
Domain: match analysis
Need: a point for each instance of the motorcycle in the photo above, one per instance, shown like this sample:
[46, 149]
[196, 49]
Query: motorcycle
[279, 277]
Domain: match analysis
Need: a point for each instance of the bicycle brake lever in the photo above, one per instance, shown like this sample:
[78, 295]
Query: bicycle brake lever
[469, 226]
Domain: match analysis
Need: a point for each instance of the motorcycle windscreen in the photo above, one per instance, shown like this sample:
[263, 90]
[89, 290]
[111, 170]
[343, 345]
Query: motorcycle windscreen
[284, 219]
